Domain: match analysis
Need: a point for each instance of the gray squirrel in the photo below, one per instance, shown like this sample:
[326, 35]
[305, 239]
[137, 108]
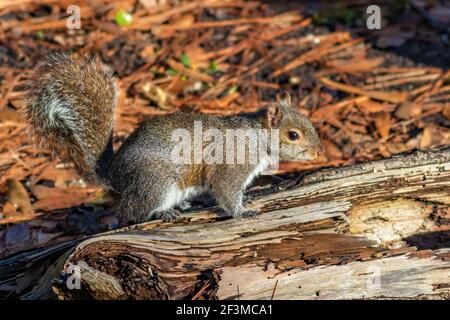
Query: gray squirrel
[70, 104]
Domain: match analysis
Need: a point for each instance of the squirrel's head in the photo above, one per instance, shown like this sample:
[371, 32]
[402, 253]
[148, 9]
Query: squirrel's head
[297, 136]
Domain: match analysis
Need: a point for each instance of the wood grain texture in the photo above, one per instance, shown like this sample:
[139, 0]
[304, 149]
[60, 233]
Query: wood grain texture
[378, 229]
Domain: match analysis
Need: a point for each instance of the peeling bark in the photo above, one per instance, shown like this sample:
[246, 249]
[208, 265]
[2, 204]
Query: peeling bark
[373, 230]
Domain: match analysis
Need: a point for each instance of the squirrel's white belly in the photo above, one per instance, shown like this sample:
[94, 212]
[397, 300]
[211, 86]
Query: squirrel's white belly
[177, 195]
[262, 165]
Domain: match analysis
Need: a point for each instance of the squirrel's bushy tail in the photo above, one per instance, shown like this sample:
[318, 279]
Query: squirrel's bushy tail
[70, 103]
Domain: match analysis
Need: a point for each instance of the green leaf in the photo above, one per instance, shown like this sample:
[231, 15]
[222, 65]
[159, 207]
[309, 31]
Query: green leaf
[171, 72]
[40, 34]
[123, 18]
[213, 66]
[185, 60]
[232, 90]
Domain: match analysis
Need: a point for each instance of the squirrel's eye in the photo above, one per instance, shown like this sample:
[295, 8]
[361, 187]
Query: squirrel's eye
[293, 135]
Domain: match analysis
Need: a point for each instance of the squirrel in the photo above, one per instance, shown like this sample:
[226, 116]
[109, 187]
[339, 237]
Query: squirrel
[70, 105]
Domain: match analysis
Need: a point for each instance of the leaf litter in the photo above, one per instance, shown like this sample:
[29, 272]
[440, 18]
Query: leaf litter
[212, 56]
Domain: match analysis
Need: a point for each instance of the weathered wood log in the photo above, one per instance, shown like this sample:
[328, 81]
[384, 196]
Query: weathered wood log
[379, 229]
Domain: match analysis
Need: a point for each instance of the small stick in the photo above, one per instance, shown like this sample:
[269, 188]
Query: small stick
[274, 288]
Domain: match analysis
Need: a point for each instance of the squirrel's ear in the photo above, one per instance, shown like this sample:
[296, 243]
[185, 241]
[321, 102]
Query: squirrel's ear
[273, 115]
[285, 99]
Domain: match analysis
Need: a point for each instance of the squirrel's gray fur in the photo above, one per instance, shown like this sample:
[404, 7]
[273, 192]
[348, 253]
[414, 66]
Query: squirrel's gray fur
[70, 110]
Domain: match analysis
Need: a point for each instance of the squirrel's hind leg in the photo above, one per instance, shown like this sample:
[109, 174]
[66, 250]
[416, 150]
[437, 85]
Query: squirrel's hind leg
[145, 200]
[167, 215]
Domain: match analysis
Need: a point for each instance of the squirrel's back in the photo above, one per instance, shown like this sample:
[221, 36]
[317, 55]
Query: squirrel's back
[70, 104]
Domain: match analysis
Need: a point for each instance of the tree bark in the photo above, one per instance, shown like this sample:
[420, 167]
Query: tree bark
[378, 229]
[374, 230]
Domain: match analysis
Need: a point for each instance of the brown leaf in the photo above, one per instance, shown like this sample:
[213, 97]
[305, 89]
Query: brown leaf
[61, 177]
[42, 192]
[189, 72]
[184, 20]
[330, 111]
[9, 210]
[62, 201]
[426, 139]
[383, 124]
[18, 196]
[408, 110]
[446, 111]
[434, 135]
[7, 114]
[160, 97]
[355, 65]
[389, 96]
[331, 149]
[148, 52]
[371, 106]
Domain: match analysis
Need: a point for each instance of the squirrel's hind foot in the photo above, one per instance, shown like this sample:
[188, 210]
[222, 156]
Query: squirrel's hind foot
[169, 215]
[250, 214]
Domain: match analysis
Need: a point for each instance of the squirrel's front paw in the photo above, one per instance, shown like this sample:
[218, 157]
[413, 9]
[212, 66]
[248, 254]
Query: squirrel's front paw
[250, 214]
[167, 215]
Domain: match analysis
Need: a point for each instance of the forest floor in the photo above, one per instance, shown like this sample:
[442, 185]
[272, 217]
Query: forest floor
[370, 93]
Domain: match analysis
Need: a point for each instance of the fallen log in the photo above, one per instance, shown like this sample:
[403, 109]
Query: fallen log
[378, 229]
[374, 230]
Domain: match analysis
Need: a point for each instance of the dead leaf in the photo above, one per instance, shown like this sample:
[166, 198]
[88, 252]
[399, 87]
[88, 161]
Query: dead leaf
[157, 95]
[148, 52]
[149, 4]
[7, 114]
[434, 135]
[330, 110]
[426, 139]
[61, 177]
[42, 192]
[383, 124]
[18, 196]
[9, 210]
[408, 110]
[178, 67]
[184, 20]
[371, 106]
[355, 65]
[331, 149]
[62, 201]
[389, 96]
[446, 111]
[394, 148]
